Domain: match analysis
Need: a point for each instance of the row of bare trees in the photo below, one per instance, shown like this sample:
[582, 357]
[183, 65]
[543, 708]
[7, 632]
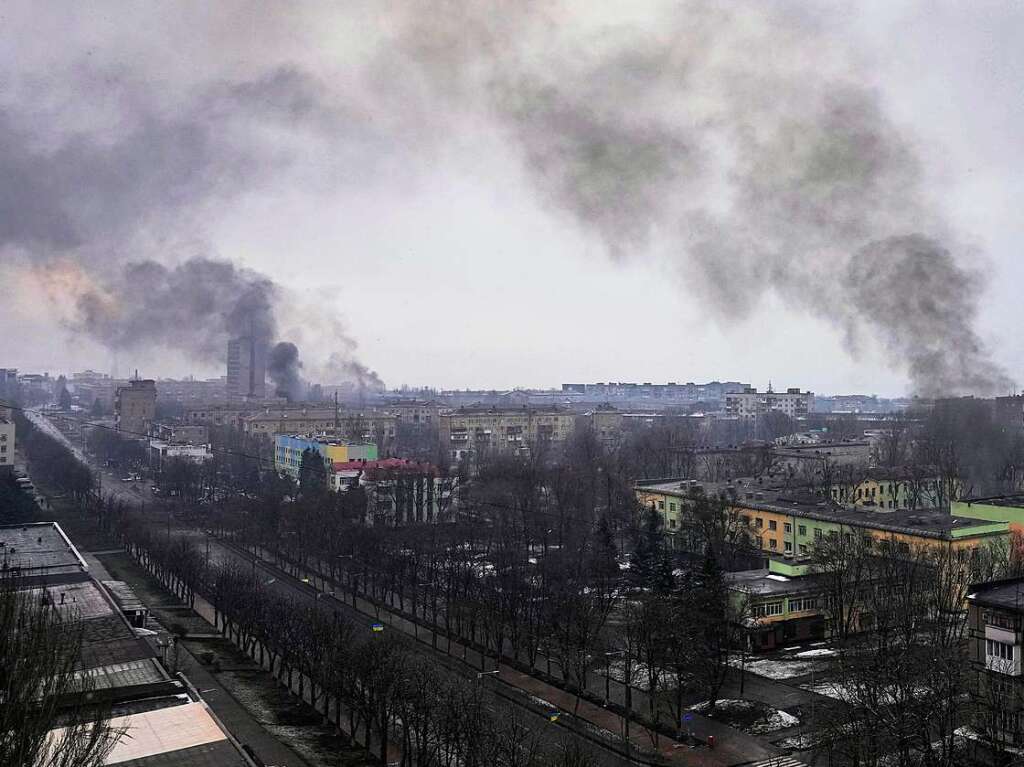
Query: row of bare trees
[373, 684]
[900, 684]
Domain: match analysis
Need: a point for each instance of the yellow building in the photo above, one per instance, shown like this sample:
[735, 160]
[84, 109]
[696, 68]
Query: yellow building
[789, 522]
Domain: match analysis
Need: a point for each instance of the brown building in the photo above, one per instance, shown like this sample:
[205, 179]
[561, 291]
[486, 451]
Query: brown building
[135, 407]
[995, 622]
[472, 431]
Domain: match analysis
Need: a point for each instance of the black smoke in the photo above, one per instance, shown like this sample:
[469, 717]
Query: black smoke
[284, 369]
[741, 141]
[115, 223]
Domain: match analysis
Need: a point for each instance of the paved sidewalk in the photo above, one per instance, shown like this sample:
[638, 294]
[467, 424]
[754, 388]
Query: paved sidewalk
[238, 721]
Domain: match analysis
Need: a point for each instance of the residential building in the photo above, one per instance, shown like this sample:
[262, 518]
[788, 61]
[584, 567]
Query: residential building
[9, 386]
[846, 452]
[470, 432]
[1009, 412]
[190, 391]
[288, 450]
[995, 619]
[180, 434]
[787, 522]
[160, 452]
[367, 425]
[135, 407]
[246, 368]
[164, 718]
[890, 489]
[7, 443]
[750, 403]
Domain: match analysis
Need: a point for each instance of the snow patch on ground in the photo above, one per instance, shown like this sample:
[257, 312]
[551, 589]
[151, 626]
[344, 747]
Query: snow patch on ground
[776, 669]
[752, 717]
[821, 652]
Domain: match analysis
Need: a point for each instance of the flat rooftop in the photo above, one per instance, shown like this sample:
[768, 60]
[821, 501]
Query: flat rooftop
[935, 523]
[40, 548]
[765, 583]
[1007, 594]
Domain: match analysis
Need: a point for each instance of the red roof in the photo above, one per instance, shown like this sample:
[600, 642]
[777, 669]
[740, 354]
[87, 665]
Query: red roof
[385, 464]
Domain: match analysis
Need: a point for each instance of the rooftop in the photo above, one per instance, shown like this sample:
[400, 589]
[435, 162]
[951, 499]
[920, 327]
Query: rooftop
[766, 583]
[748, 493]
[1005, 594]
[39, 549]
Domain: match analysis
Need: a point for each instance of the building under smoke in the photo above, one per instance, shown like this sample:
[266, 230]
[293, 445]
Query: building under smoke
[247, 367]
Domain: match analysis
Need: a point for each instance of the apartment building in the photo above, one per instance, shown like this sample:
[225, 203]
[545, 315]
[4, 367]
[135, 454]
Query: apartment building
[995, 619]
[135, 407]
[788, 522]
[7, 433]
[471, 432]
[750, 403]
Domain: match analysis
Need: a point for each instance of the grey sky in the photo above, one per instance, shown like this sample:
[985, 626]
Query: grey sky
[356, 163]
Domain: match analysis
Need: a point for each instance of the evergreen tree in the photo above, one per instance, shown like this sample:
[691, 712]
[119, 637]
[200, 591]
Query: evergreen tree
[312, 473]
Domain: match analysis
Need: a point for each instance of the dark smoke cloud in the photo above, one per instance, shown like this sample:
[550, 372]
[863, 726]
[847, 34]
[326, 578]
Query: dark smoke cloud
[739, 141]
[125, 210]
[195, 306]
[283, 367]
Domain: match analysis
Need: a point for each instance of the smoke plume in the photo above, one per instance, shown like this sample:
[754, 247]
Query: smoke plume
[283, 367]
[742, 143]
[114, 225]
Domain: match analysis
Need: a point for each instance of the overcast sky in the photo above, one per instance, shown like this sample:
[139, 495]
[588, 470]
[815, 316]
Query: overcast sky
[389, 197]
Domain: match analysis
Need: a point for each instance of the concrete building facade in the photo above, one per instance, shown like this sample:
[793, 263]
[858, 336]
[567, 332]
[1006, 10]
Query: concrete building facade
[7, 434]
[750, 403]
[135, 407]
[473, 432]
[246, 368]
[288, 450]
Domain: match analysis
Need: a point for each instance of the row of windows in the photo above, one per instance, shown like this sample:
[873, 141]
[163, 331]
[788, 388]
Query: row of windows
[1000, 650]
[767, 610]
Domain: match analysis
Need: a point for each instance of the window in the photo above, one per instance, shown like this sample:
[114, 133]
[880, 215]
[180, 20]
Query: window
[671, 506]
[787, 527]
[758, 523]
[999, 650]
[769, 609]
[788, 546]
[803, 548]
[802, 530]
[773, 544]
[817, 533]
[672, 524]
[1000, 620]
[661, 505]
[773, 525]
[806, 603]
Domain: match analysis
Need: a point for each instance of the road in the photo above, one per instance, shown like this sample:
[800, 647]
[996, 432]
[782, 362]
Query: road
[530, 696]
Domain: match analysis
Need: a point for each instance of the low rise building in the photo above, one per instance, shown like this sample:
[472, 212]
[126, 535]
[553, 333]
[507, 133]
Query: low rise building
[161, 452]
[892, 489]
[398, 491]
[789, 521]
[779, 604]
[163, 717]
[180, 434]
[288, 450]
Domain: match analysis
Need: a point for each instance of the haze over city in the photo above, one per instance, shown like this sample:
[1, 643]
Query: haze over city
[494, 196]
[511, 383]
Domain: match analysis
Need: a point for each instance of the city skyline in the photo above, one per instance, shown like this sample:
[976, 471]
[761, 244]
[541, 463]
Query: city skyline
[452, 236]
